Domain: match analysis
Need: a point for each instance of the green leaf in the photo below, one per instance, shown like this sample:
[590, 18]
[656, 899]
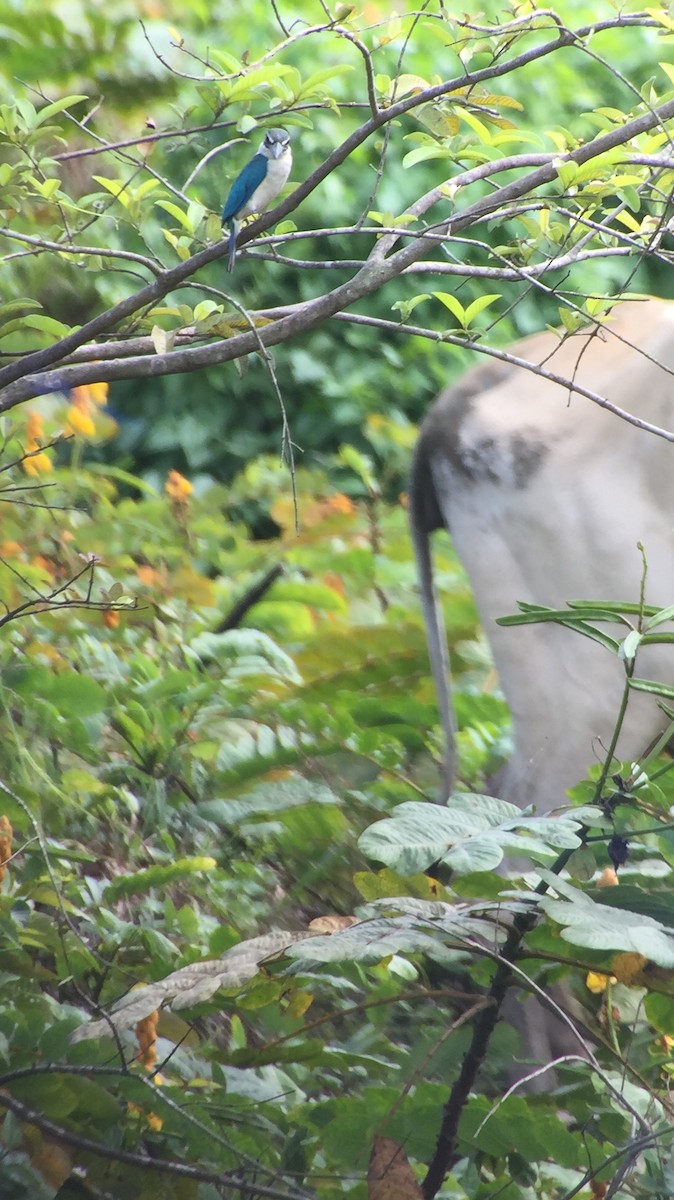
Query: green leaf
[238, 645]
[116, 187]
[658, 905]
[473, 310]
[71, 693]
[174, 211]
[582, 864]
[470, 834]
[268, 799]
[19, 305]
[309, 1050]
[230, 64]
[424, 153]
[39, 321]
[660, 1012]
[371, 941]
[58, 106]
[156, 877]
[534, 615]
[52, 1096]
[598, 927]
[407, 307]
[361, 465]
[630, 646]
[664, 690]
[314, 82]
[109, 471]
[387, 883]
[566, 171]
[659, 618]
[478, 127]
[47, 187]
[455, 306]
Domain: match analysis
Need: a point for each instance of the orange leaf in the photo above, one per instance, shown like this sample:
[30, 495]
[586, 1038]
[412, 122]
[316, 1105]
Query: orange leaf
[150, 576]
[34, 428]
[608, 878]
[331, 580]
[339, 503]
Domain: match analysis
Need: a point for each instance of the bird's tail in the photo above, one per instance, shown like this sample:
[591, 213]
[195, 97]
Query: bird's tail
[233, 230]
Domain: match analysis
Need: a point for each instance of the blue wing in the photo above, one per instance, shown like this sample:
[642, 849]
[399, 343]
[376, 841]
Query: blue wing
[244, 185]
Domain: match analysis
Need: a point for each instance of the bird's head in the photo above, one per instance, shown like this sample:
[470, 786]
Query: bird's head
[276, 143]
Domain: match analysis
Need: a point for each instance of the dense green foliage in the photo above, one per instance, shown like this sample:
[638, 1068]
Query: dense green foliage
[243, 952]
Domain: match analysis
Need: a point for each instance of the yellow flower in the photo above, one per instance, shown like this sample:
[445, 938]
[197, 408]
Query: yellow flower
[37, 464]
[79, 396]
[177, 487]
[597, 983]
[84, 401]
[98, 394]
[79, 422]
[89, 393]
[151, 1119]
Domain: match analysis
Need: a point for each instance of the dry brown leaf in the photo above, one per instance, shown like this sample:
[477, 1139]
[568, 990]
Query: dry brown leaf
[54, 1164]
[50, 1158]
[389, 1175]
[628, 968]
[598, 1190]
[332, 924]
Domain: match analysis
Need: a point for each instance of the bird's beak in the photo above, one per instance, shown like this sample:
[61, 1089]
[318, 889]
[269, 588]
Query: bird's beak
[278, 149]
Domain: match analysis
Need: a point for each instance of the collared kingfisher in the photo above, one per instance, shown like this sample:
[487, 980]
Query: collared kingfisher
[257, 185]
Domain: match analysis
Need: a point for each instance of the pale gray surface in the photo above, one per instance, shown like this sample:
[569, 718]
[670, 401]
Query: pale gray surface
[546, 496]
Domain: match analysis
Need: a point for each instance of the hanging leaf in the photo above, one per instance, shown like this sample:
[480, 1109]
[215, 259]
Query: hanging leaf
[389, 1174]
[191, 984]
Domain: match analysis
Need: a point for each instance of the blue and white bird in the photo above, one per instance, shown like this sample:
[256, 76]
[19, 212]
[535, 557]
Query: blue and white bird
[257, 185]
